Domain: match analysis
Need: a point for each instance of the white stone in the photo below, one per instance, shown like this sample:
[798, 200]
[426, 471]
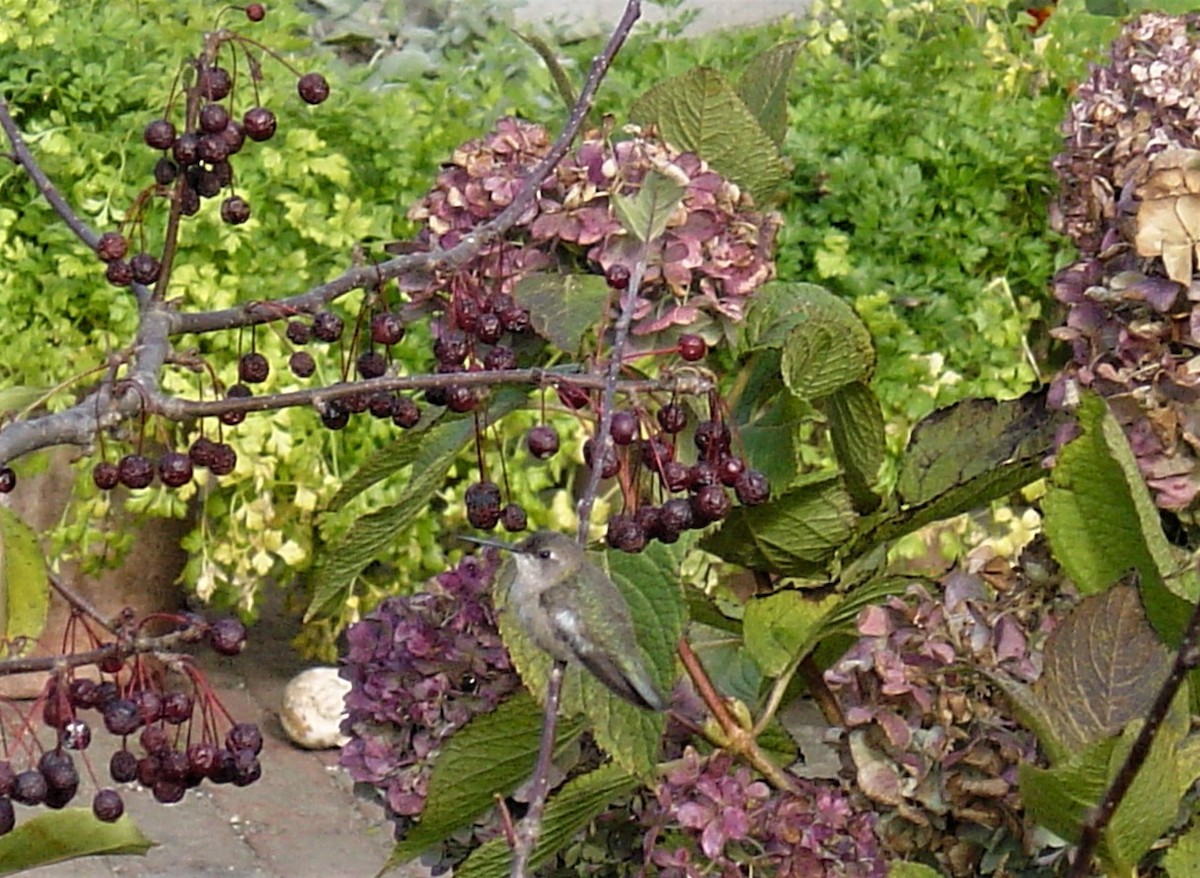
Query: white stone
[313, 708]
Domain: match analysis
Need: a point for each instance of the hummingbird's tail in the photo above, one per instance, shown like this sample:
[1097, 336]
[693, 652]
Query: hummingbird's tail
[632, 683]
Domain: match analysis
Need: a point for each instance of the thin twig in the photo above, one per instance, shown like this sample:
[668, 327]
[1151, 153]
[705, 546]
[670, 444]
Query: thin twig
[531, 826]
[1186, 659]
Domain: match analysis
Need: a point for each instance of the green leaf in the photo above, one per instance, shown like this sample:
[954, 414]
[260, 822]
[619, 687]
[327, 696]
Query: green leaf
[563, 307]
[16, 398]
[961, 442]
[781, 627]
[341, 561]
[728, 664]
[1101, 521]
[856, 429]
[382, 464]
[562, 82]
[763, 87]
[912, 870]
[769, 438]
[491, 755]
[827, 348]
[1182, 859]
[795, 534]
[701, 112]
[575, 806]
[645, 214]
[24, 580]
[1060, 797]
[55, 836]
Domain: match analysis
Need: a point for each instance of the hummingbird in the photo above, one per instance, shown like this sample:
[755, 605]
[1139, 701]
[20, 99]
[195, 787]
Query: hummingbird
[571, 609]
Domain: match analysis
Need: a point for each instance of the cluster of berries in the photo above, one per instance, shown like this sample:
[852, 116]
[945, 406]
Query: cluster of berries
[177, 732]
[195, 163]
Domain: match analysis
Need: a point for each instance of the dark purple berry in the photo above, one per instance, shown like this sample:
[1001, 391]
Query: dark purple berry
[154, 740]
[513, 518]
[334, 414]
[186, 149]
[173, 765]
[676, 515]
[106, 692]
[624, 427]
[710, 503]
[235, 210]
[451, 349]
[489, 328]
[380, 405]
[703, 474]
[542, 441]
[8, 816]
[175, 469]
[244, 736]
[135, 471]
[189, 201]
[499, 358]
[149, 768]
[302, 364]
[168, 792]
[752, 488]
[692, 347]
[107, 805]
[214, 149]
[236, 391]
[119, 273]
[30, 787]
[617, 276]
[255, 11]
[246, 768]
[259, 123]
[177, 708]
[405, 413]
[712, 438]
[483, 505]
[202, 758]
[223, 767]
[298, 332]
[676, 476]
[730, 469]
[145, 268]
[159, 134]
[672, 417]
[8, 479]
[58, 768]
[149, 705]
[215, 83]
[213, 118]
[656, 451]
[515, 319]
[165, 171]
[461, 399]
[386, 328]
[371, 364]
[573, 396]
[227, 636]
[625, 533]
[121, 717]
[82, 694]
[201, 451]
[122, 766]
[327, 326]
[111, 247]
[224, 460]
[436, 396]
[253, 368]
[313, 88]
[611, 463]
[647, 518]
[356, 403]
[234, 136]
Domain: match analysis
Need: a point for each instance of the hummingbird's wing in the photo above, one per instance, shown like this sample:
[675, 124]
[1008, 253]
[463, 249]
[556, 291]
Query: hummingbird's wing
[612, 655]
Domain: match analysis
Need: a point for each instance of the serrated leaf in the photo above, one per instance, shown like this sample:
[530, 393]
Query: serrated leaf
[769, 437]
[795, 534]
[781, 627]
[1182, 859]
[563, 307]
[700, 111]
[856, 430]
[1102, 668]
[491, 755]
[963, 441]
[1060, 797]
[341, 561]
[572, 808]
[726, 661]
[381, 464]
[763, 87]
[24, 580]
[1101, 521]
[775, 310]
[645, 214]
[55, 836]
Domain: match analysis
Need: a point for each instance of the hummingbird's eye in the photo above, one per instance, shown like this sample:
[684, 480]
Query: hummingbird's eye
[545, 554]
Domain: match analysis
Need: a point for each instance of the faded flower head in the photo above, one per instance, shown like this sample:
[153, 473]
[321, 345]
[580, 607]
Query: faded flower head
[716, 249]
[1130, 200]
[421, 666]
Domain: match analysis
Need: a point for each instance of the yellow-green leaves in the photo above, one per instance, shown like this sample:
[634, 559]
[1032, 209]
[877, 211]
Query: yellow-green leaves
[24, 582]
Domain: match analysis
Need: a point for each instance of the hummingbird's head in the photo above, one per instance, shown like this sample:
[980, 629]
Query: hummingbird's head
[546, 557]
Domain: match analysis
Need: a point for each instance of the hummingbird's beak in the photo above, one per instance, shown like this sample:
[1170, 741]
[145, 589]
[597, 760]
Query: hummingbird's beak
[487, 541]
